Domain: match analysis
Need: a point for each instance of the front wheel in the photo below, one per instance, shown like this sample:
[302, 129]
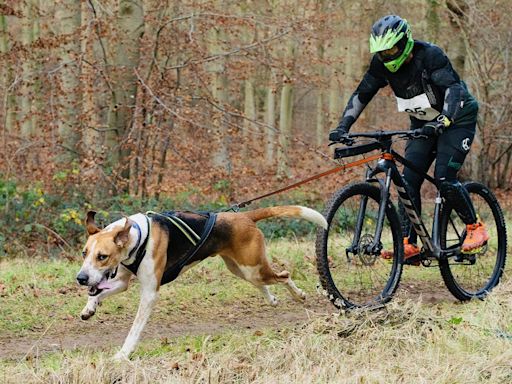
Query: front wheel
[470, 276]
[352, 272]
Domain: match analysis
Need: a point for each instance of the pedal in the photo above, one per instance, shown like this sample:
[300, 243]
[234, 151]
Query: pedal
[473, 251]
[414, 260]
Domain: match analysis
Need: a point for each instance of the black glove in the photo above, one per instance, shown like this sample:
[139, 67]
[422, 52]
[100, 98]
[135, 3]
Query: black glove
[435, 127]
[338, 133]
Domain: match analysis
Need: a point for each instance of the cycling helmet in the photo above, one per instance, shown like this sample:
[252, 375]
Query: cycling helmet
[388, 32]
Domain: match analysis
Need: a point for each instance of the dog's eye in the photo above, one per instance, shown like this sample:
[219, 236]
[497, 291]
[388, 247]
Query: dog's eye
[84, 253]
[102, 257]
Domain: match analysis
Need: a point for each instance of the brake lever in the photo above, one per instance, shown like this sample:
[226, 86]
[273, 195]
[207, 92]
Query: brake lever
[345, 141]
[416, 134]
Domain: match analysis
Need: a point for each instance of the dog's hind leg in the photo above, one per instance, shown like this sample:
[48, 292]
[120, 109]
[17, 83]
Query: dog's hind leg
[119, 284]
[284, 278]
[250, 274]
[297, 293]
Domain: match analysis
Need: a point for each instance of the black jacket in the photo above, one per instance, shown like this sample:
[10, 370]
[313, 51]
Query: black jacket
[428, 76]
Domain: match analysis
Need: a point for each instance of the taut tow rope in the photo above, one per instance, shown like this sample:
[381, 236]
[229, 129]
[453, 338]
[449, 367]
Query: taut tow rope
[243, 204]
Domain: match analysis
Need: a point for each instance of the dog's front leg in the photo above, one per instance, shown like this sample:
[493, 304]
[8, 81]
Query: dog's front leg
[119, 284]
[147, 300]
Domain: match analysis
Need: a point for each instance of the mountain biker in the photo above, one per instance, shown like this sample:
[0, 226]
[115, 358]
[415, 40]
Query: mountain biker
[438, 103]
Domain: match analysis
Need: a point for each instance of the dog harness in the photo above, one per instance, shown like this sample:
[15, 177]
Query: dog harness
[184, 241]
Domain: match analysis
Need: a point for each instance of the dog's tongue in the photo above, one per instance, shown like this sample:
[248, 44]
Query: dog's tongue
[104, 284]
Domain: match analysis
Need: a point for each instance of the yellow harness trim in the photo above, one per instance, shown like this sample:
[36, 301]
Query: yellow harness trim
[181, 225]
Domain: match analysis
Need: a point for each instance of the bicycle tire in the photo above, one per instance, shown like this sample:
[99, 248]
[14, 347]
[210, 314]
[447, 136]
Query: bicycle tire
[343, 296]
[466, 276]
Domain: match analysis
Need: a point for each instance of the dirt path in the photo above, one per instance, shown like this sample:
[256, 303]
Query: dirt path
[106, 331]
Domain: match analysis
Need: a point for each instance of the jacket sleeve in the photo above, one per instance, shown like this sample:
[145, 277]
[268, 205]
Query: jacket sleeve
[444, 76]
[368, 87]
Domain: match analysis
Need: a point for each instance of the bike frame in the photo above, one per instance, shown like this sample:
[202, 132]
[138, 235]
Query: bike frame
[387, 165]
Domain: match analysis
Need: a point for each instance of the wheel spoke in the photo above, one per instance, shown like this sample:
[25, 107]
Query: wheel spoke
[474, 275]
[358, 278]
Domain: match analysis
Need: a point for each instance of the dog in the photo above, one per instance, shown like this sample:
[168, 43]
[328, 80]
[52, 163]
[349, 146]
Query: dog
[159, 247]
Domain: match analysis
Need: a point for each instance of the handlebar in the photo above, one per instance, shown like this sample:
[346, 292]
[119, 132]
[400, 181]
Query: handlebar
[379, 136]
[382, 141]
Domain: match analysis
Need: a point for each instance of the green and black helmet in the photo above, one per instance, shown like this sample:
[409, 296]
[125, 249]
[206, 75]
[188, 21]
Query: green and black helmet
[391, 40]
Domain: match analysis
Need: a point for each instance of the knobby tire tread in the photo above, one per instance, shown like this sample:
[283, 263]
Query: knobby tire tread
[334, 293]
[444, 265]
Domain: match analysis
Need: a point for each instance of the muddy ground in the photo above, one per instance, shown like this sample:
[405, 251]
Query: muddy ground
[105, 331]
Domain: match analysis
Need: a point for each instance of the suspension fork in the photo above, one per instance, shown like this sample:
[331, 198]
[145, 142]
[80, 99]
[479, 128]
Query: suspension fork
[361, 213]
[376, 246]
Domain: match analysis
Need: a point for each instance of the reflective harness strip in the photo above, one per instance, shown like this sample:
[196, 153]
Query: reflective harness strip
[181, 225]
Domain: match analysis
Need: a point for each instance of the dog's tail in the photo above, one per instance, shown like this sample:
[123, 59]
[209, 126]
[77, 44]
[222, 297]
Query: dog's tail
[296, 211]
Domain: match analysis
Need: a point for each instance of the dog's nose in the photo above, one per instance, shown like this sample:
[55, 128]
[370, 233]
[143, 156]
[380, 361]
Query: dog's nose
[82, 278]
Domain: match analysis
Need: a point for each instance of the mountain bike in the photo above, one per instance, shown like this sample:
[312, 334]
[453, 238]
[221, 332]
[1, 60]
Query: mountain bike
[363, 221]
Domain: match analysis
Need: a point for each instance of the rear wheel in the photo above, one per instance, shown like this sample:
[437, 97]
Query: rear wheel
[352, 274]
[474, 275]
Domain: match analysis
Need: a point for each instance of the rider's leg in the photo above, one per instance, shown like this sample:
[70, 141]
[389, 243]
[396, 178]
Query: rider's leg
[420, 152]
[453, 146]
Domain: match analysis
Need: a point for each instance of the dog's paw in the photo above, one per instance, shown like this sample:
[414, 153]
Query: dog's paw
[272, 300]
[87, 314]
[301, 295]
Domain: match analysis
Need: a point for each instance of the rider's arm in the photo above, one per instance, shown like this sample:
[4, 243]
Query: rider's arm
[368, 87]
[443, 75]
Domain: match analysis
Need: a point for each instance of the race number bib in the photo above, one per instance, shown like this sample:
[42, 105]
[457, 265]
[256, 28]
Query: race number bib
[418, 107]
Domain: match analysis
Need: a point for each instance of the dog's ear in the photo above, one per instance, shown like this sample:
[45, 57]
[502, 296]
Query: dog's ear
[90, 224]
[121, 238]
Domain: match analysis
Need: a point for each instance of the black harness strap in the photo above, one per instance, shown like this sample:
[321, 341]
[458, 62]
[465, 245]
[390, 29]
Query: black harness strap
[141, 252]
[171, 273]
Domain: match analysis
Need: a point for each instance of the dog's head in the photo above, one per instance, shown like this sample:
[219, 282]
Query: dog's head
[103, 252]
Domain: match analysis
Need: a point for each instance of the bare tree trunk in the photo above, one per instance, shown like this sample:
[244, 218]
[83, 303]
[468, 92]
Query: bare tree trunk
[285, 115]
[8, 98]
[270, 117]
[69, 15]
[130, 26]
[457, 47]
[433, 20]
[90, 71]
[248, 127]
[250, 116]
[220, 94]
[336, 99]
[27, 37]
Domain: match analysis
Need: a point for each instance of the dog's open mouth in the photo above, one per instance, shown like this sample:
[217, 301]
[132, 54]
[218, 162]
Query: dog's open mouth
[105, 283]
[96, 289]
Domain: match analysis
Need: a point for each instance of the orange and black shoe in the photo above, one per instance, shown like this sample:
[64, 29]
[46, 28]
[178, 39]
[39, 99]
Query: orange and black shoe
[476, 238]
[410, 251]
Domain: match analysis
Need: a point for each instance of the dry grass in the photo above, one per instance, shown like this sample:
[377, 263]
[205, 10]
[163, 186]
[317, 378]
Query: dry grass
[408, 342]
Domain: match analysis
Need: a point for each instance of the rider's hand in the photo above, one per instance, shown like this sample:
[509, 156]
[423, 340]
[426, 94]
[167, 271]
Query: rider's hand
[436, 127]
[338, 134]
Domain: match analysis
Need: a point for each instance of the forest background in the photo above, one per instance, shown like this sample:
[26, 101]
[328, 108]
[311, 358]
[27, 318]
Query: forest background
[131, 105]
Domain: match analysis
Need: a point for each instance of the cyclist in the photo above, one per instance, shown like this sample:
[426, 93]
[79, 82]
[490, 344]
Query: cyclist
[438, 103]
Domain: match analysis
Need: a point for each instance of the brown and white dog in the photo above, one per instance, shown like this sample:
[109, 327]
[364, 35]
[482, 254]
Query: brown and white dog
[234, 237]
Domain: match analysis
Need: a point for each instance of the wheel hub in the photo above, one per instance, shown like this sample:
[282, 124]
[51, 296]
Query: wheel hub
[365, 253]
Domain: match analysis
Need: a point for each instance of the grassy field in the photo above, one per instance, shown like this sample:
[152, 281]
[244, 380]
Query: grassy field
[211, 327]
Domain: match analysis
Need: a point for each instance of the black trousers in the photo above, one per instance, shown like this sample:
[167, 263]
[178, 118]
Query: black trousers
[449, 151]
